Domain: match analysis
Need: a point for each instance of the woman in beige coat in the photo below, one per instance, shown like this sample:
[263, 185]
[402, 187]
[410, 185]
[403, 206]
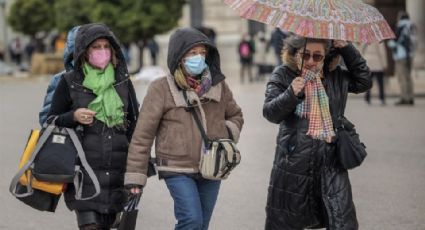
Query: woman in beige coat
[194, 65]
[376, 58]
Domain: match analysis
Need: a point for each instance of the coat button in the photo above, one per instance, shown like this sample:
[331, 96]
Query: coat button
[107, 173]
[109, 137]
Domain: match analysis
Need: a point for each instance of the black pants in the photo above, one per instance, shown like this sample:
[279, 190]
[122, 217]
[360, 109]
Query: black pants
[91, 220]
[379, 75]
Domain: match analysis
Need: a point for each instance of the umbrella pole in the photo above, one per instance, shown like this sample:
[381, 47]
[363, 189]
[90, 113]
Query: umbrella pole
[302, 58]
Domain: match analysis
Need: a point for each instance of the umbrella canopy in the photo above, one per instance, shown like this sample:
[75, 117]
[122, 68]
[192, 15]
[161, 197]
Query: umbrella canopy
[350, 20]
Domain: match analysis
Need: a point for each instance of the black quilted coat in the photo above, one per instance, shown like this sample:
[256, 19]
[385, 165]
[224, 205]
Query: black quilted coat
[308, 188]
[105, 148]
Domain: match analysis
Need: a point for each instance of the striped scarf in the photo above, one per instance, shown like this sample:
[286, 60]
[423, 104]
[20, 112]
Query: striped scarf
[316, 108]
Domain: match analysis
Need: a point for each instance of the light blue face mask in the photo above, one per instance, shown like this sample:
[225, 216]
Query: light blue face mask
[195, 65]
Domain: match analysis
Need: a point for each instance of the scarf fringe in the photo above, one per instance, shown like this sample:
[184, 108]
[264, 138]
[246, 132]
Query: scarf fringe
[315, 107]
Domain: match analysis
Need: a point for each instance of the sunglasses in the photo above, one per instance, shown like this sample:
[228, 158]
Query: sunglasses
[316, 57]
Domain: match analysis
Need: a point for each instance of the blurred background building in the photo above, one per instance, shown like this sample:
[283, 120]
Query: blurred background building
[226, 27]
[229, 26]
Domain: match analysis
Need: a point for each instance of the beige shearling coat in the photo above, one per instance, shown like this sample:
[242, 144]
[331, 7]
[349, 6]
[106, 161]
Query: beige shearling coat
[178, 141]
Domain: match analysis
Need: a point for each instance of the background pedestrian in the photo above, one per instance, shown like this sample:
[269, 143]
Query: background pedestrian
[246, 50]
[376, 57]
[403, 51]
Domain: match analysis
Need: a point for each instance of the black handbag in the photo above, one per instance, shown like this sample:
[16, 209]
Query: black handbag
[127, 219]
[350, 150]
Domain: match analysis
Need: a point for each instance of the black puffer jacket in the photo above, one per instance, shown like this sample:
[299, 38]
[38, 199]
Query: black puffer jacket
[105, 148]
[307, 187]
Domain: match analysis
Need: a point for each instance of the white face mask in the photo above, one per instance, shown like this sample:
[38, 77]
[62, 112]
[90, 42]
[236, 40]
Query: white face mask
[195, 65]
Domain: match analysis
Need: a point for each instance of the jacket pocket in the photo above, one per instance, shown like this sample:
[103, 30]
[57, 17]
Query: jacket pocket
[174, 141]
[292, 145]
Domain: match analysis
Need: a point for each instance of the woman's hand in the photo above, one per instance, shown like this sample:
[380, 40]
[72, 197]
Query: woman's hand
[133, 188]
[339, 43]
[297, 85]
[84, 116]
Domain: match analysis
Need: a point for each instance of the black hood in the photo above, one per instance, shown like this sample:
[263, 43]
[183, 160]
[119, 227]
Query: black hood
[182, 40]
[89, 33]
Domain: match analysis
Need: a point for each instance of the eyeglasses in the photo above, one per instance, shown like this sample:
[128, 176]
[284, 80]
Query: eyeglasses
[316, 57]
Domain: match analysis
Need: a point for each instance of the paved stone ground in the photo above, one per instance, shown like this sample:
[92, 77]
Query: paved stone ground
[388, 188]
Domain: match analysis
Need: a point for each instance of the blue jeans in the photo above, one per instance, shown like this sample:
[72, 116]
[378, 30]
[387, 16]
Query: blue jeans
[194, 201]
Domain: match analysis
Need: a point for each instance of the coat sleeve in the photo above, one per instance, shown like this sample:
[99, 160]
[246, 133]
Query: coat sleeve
[62, 106]
[358, 71]
[144, 135]
[49, 97]
[233, 114]
[280, 99]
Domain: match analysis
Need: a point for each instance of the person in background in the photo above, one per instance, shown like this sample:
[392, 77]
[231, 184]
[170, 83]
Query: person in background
[260, 56]
[376, 58]
[29, 50]
[1, 52]
[16, 50]
[194, 65]
[153, 50]
[246, 50]
[403, 48]
[125, 48]
[308, 188]
[276, 42]
[69, 65]
[60, 43]
[97, 99]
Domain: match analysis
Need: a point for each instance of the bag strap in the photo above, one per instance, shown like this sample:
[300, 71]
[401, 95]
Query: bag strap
[344, 92]
[197, 120]
[79, 178]
[28, 164]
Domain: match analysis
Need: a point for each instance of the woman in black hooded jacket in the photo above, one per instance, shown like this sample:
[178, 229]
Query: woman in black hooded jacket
[308, 188]
[98, 99]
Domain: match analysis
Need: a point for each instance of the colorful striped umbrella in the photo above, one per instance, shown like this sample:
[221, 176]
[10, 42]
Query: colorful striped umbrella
[350, 20]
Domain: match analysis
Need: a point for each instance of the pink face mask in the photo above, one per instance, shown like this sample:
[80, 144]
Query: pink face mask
[100, 58]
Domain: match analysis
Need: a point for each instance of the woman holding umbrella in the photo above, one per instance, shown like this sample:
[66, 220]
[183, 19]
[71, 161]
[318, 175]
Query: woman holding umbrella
[308, 188]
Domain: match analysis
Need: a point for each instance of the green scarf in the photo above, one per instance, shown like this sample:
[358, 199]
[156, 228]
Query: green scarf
[107, 105]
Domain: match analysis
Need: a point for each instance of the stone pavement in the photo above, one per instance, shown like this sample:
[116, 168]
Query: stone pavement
[388, 187]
